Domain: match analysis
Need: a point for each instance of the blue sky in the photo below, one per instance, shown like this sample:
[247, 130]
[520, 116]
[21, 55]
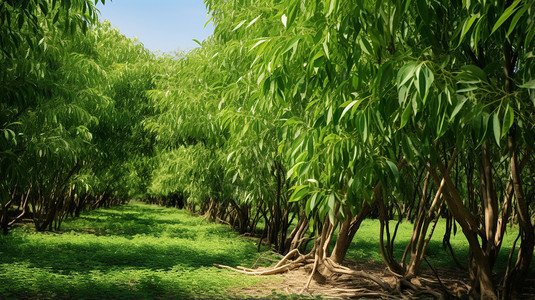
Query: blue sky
[165, 25]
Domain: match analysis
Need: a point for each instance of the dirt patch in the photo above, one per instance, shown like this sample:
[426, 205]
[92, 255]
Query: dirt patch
[350, 287]
[335, 287]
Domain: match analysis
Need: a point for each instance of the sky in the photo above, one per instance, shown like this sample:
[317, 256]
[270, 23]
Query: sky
[165, 25]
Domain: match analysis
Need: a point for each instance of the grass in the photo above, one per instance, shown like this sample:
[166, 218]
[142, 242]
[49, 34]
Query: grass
[365, 245]
[131, 251]
[140, 251]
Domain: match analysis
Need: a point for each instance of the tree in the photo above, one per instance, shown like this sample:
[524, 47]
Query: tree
[62, 99]
[372, 88]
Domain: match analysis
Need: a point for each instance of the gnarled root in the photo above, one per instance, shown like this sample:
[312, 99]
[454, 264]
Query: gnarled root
[336, 268]
[272, 271]
[279, 268]
[324, 267]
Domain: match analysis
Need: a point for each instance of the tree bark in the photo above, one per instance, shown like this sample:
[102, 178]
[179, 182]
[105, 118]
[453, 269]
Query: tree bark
[527, 234]
[347, 232]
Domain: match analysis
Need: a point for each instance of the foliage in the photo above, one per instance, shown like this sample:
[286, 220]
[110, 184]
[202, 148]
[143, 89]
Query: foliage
[71, 136]
[357, 101]
[307, 116]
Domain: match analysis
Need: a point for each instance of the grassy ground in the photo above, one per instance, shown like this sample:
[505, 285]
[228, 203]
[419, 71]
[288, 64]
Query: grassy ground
[131, 251]
[366, 242]
[141, 251]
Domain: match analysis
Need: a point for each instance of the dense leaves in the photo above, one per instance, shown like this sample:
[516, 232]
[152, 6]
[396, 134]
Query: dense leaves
[354, 102]
[303, 116]
[71, 136]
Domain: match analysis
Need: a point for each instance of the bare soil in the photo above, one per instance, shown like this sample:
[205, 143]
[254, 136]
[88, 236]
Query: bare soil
[456, 282]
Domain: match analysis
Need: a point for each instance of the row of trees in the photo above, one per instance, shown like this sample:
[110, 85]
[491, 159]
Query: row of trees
[317, 113]
[327, 111]
[73, 97]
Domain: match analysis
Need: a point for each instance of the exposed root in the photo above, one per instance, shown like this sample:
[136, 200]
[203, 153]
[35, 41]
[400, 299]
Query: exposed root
[311, 275]
[285, 258]
[273, 271]
[421, 290]
[343, 292]
[385, 287]
[263, 256]
[336, 268]
[279, 268]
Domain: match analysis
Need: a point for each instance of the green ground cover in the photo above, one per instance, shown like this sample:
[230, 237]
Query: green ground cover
[365, 245]
[130, 251]
[146, 251]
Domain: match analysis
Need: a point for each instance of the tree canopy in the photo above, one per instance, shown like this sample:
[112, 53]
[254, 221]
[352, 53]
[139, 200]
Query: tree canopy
[304, 115]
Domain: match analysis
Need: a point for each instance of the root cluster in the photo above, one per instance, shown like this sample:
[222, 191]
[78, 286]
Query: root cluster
[324, 270]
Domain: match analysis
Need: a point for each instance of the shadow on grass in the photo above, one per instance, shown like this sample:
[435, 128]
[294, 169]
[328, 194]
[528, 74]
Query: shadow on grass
[438, 257]
[133, 221]
[133, 251]
[103, 256]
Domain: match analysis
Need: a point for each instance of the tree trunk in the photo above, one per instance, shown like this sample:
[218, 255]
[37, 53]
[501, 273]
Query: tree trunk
[514, 281]
[468, 223]
[347, 231]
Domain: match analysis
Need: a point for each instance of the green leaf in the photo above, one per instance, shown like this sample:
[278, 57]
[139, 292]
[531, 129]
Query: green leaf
[480, 127]
[496, 128]
[326, 49]
[253, 21]
[466, 27]
[521, 11]
[21, 20]
[365, 46]
[441, 129]
[529, 37]
[364, 128]
[458, 108]
[423, 10]
[406, 115]
[56, 17]
[508, 120]
[299, 192]
[405, 73]
[44, 7]
[474, 72]
[235, 177]
[293, 45]
[329, 115]
[331, 8]
[528, 85]
[291, 172]
[409, 150]
[424, 82]
[311, 203]
[331, 201]
[403, 93]
[239, 25]
[230, 155]
[258, 43]
[310, 147]
[349, 106]
[393, 169]
[468, 89]
[318, 55]
[331, 216]
[506, 14]
[304, 169]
